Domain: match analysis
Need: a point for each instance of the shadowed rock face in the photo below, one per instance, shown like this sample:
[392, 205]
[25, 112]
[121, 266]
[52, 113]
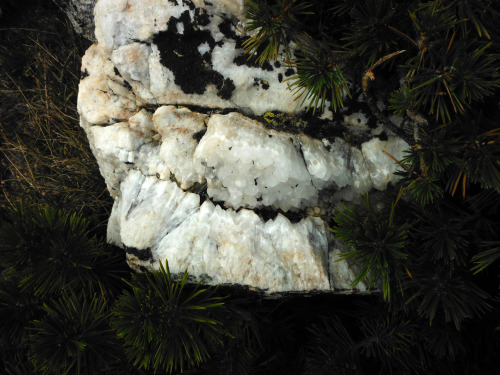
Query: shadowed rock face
[81, 15]
[210, 159]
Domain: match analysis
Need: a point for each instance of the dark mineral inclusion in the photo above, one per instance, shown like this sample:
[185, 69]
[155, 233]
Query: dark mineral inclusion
[179, 52]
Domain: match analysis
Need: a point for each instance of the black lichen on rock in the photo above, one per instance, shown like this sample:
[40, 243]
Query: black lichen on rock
[260, 82]
[179, 53]
[189, 3]
[201, 17]
[199, 135]
[226, 90]
[252, 63]
[354, 106]
[85, 74]
[225, 27]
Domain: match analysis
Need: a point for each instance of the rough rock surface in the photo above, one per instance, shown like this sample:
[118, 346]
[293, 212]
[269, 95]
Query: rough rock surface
[228, 8]
[202, 172]
[81, 15]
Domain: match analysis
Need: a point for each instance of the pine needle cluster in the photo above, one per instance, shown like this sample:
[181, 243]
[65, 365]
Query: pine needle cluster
[166, 325]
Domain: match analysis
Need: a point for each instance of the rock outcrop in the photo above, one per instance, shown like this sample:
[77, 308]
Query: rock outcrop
[210, 158]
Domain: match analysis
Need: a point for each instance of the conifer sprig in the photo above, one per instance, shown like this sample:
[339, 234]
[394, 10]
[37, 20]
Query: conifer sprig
[274, 23]
[74, 337]
[377, 243]
[319, 77]
[486, 257]
[437, 290]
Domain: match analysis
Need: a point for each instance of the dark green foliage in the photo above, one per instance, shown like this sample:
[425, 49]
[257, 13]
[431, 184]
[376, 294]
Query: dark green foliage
[402, 100]
[369, 36]
[449, 70]
[443, 340]
[166, 325]
[74, 337]
[444, 50]
[432, 276]
[29, 233]
[480, 15]
[460, 76]
[343, 7]
[442, 237]
[247, 350]
[450, 293]
[481, 156]
[377, 243]
[48, 253]
[18, 309]
[388, 339]
[54, 250]
[331, 349]
[243, 351]
[365, 338]
[16, 363]
[426, 189]
[452, 158]
[431, 21]
[436, 151]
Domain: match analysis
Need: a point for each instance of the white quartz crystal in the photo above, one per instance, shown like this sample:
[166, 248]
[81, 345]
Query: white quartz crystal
[102, 96]
[177, 128]
[379, 156]
[228, 246]
[326, 162]
[247, 165]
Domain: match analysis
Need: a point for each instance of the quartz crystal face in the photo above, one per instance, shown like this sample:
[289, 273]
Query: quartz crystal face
[210, 158]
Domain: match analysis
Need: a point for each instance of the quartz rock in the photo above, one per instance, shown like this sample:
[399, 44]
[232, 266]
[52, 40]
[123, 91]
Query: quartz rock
[170, 103]
[247, 165]
[382, 168]
[103, 96]
[178, 128]
[157, 218]
[180, 54]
